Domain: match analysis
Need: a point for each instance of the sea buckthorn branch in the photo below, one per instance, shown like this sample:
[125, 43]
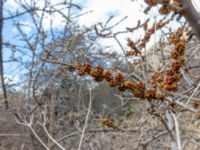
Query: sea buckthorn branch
[169, 80]
[117, 80]
[155, 27]
[135, 47]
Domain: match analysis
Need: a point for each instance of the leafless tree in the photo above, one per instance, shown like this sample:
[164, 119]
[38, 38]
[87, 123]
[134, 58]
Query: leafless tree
[149, 95]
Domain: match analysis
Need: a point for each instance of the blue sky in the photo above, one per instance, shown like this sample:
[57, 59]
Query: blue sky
[100, 11]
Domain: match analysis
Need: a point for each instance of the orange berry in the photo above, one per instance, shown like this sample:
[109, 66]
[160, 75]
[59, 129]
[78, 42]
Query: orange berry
[198, 114]
[151, 2]
[164, 10]
[119, 76]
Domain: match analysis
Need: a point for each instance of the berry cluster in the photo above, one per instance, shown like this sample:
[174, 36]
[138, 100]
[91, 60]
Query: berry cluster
[109, 123]
[196, 105]
[149, 32]
[169, 81]
[173, 73]
[166, 6]
[134, 50]
[157, 80]
[99, 74]
[198, 114]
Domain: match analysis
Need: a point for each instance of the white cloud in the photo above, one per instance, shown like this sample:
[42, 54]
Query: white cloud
[26, 26]
[12, 79]
[102, 9]
[11, 5]
[56, 19]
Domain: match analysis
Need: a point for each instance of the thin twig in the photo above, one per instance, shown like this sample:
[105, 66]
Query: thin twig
[181, 104]
[178, 139]
[94, 131]
[192, 95]
[60, 146]
[22, 122]
[154, 137]
[86, 120]
[38, 138]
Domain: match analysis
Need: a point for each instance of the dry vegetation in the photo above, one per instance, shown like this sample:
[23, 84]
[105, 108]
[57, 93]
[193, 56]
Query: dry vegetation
[72, 98]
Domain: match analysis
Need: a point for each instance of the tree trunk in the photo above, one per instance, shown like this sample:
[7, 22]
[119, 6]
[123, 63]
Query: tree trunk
[1, 56]
[192, 15]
